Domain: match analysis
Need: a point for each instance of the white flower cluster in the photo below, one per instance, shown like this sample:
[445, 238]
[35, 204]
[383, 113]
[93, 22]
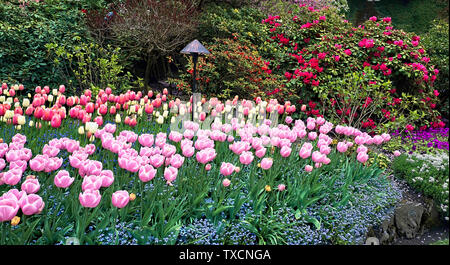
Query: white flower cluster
[438, 161]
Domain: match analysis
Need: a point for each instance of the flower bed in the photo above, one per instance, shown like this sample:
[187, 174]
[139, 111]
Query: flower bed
[429, 141]
[108, 182]
[428, 174]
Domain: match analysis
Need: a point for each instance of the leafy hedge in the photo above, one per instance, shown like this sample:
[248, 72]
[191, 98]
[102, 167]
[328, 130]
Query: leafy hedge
[24, 31]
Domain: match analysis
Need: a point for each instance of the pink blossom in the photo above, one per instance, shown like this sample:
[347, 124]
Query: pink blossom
[120, 198]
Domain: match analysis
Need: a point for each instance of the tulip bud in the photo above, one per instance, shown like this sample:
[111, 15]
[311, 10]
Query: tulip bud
[81, 130]
[118, 119]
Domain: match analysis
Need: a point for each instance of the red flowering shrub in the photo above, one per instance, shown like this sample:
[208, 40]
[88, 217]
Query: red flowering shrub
[321, 48]
[233, 68]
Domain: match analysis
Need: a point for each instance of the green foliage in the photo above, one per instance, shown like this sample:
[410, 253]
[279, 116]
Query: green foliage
[89, 66]
[413, 16]
[24, 32]
[441, 242]
[233, 68]
[428, 174]
[436, 41]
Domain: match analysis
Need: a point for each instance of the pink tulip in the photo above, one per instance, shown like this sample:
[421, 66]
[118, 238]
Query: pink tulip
[177, 161]
[202, 156]
[288, 120]
[175, 136]
[226, 182]
[147, 173]
[281, 187]
[317, 156]
[156, 160]
[90, 198]
[160, 141]
[12, 155]
[362, 149]
[208, 167]
[362, 157]
[308, 168]
[266, 163]
[38, 163]
[31, 186]
[312, 136]
[342, 147]
[188, 151]
[320, 120]
[8, 209]
[227, 169]
[246, 157]
[168, 150]
[91, 183]
[32, 204]
[285, 151]
[261, 152]
[239, 147]
[132, 165]
[50, 151]
[325, 149]
[62, 179]
[311, 125]
[304, 152]
[107, 178]
[386, 137]
[146, 140]
[2, 164]
[397, 153]
[19, 164]
[120, 198]
[377, 139]
[170, 174]
[12, 177]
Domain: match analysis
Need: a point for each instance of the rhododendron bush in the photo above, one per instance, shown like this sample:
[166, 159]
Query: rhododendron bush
[315, 49]
[234, 68]
[323, 48]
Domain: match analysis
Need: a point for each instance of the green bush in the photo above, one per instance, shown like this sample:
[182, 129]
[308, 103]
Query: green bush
[24, 31]
[89, 66]
[436, 42]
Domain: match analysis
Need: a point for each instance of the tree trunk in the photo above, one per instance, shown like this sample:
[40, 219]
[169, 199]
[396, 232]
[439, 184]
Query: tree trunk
[147, 72]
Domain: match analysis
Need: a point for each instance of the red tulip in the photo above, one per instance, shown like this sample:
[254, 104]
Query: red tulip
[38, 112]
[83, 100]
[112, 110]
[99, 120]
[90, 107]
[18, 110]
[148, 109]
[29, 111]
[56, 121]
[62, 100]
[70, 101]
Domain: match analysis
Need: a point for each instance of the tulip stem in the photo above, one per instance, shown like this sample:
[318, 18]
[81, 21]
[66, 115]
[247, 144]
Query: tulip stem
[4, 224]
[142, 198]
